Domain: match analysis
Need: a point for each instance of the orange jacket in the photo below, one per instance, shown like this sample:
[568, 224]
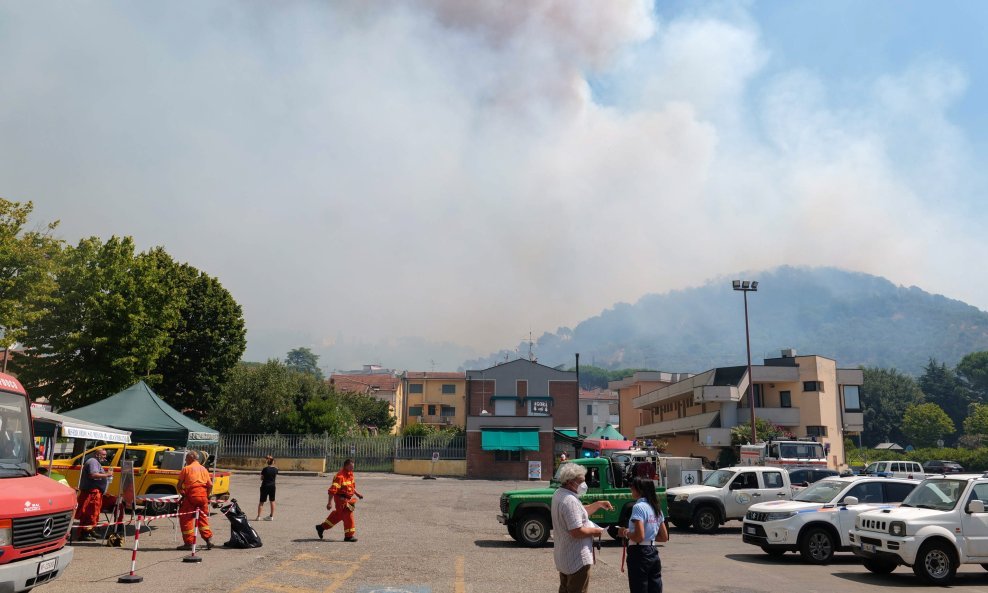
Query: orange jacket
[343, 484]
[192, 477]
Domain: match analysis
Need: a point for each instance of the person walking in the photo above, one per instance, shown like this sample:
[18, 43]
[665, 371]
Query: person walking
[92, 487]
[573, 531]
[344, 492]
[268, 476]
[646, 527]
[194, 484]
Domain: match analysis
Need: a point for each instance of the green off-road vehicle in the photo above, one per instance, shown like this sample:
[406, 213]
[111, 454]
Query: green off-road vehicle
[526, 512]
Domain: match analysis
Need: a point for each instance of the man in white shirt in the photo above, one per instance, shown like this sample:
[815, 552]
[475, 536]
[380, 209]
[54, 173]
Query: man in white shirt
[573, 531]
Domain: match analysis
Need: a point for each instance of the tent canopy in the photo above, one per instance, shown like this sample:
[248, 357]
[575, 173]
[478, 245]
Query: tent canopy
[606, 432]
[607, 444]
[148, 418]
[50, 424]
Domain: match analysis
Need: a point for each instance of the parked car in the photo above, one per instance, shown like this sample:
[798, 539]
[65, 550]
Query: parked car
[725, 495]
[804, 476]
[939, 466]
[911, 470]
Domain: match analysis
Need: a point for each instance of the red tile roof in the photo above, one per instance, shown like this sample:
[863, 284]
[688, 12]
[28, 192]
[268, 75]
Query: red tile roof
[433, 375]
[364, 383]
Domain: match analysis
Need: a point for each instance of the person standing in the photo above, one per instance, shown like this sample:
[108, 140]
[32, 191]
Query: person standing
[92, 487]
[344, 492]
[573, 532]
[194, 484]
[268, 476]
[646, 527]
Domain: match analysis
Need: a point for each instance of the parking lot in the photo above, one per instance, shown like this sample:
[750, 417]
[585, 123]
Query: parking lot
[438, 536]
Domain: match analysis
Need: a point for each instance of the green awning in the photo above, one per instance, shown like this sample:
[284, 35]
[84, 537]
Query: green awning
[568, 432]
[509, 439]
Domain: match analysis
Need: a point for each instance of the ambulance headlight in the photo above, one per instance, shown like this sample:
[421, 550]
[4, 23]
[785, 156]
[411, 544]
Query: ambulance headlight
[6, 533]
[682, 497]
[897, 528]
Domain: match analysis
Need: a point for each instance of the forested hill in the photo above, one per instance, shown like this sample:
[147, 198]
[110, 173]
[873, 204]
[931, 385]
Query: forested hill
[854, 318]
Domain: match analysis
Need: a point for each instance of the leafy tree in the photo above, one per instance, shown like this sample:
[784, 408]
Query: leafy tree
[941, 386]
[977, 422]
[973, 371]
[925, 424]
[885, 395]
[328, 414]
[256, 399]
[370, 411]
[417, 430]
[107, 324]
[207, 342]
[303, 360]
[741, 434]
[28, 262]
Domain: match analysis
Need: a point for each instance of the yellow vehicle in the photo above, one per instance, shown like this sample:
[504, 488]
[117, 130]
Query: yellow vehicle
[149, 476]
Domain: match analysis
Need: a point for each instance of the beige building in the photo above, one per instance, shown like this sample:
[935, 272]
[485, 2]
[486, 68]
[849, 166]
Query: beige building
[437, 399]
[808, 395]
[635, 386]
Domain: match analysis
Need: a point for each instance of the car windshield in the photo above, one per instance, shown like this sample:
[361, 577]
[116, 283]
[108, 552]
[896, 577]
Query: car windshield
[16, 446]
[719, 478]
[823, 491]
[941, 495]
[801, 450]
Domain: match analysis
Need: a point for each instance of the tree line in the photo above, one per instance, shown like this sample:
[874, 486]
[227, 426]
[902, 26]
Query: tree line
[91, 319]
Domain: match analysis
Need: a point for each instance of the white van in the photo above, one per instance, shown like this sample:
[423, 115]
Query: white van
[911, 470]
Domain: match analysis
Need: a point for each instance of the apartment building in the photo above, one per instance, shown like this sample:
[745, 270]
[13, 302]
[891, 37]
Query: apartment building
[437, 399]
[598, 408]
[808, 395]
[378, 382]
[629, 388]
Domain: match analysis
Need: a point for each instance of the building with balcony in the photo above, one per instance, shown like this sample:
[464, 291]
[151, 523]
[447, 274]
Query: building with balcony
[435, 399]
[635, 386]
[807, 395]
[598, 408]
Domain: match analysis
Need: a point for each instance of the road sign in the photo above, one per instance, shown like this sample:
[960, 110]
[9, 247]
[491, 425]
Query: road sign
[435, 456]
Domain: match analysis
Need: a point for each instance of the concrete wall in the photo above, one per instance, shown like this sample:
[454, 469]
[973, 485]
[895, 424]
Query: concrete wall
[422, 467]
[297, 465]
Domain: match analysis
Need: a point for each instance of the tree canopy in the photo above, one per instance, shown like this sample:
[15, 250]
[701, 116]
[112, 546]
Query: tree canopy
[305, 361]
[925, 424]
[885, 395]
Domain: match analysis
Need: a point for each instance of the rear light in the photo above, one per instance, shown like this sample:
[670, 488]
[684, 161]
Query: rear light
[6, 532]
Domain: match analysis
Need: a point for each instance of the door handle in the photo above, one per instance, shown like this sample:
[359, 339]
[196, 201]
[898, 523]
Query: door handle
[753, 494]
[780, 494]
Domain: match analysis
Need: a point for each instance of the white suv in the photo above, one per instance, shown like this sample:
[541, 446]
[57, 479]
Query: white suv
[816, 521]
[941, 525]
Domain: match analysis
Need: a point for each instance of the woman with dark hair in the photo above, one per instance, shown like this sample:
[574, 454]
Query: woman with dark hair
[645, 529]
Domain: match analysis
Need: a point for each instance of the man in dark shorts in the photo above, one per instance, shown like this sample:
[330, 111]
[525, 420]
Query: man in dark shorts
[268, 476]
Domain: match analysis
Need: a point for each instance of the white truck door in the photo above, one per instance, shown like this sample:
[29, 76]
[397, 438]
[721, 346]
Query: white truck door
[975, 525]
[741, 493]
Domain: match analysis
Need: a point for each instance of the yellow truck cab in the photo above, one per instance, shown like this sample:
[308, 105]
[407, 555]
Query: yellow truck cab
[149, 476]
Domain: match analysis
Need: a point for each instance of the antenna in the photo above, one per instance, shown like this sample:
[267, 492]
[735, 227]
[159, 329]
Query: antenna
[531, 342]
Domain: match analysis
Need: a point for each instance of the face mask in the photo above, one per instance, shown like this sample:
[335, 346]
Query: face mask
[581, 489]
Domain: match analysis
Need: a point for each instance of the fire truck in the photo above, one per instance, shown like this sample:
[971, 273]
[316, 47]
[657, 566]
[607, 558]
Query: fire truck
[785, 454]
[35, 511]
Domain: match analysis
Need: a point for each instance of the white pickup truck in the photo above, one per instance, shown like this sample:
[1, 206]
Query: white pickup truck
[817, 520]
[939, 526]
[724, 495]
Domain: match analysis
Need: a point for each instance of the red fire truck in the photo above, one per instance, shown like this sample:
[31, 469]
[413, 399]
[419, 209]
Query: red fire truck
[35, 511]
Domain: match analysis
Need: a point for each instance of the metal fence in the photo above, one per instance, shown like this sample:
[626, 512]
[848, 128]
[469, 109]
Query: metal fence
[375, 453]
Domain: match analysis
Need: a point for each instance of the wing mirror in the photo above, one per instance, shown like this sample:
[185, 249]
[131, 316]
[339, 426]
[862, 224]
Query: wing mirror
[976, 506]
[849, 500]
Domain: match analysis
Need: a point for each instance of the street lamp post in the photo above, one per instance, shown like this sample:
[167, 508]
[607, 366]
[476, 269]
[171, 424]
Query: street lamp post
[745, 287]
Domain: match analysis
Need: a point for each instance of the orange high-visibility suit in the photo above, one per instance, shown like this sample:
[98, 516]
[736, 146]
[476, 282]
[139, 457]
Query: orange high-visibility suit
[344, 492]
[195, 484]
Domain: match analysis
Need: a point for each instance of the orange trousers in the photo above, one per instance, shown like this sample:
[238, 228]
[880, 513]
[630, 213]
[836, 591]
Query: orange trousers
[197, 499]
[341, 513]
[88, 508]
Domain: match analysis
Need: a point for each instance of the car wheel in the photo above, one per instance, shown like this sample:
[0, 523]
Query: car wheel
[705, 520]
[533, 529]
[773, 552]
[935, 563]
[680, 524]
[817, 546]
[879, 566]
[513, 532]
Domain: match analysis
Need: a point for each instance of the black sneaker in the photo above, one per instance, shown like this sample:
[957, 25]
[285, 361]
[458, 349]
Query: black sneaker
[209, 544]
[185, 547]
[87, 537]
[349, 539]
[319, 530]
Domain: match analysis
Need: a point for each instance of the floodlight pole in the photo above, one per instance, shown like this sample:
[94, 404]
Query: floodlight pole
[744, 286]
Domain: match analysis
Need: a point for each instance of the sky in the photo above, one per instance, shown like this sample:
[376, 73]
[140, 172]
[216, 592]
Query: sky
[417, 183]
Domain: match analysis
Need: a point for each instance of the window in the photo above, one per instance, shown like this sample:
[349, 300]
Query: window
[593, 478]
[785, 399]
[414, 388]
[773, 479]
[449, 388]
[589, 410]
[852, 398]
[812, 385]
[137, 455]
[415, 411]
[504, 407]
[432, 409]
[521, 388]
[816, 431]
[507, 455]
[870, 492]
[448, 411]
[744, 481]
[756, 392]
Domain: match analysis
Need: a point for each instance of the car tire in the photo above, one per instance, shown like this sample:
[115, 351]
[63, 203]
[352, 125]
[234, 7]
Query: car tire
[817, 545]
[533, 530]
[513, 532]
[936, 563]
[705, 520]
[773, 552]
[877, 566]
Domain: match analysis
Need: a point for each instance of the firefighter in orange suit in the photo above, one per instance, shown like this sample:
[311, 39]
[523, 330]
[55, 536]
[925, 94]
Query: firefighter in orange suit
[344, 492]
[194, 484]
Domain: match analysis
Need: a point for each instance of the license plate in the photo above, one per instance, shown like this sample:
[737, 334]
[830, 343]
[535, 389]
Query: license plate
[867, 547]
[47, 565]
[750, 530]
